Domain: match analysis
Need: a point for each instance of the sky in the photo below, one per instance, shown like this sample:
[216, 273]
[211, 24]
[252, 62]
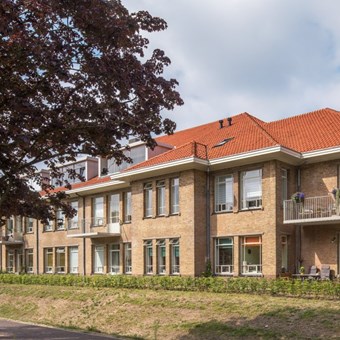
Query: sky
[270, 58]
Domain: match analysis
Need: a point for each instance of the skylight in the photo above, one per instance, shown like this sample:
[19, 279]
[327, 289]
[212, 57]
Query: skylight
[224, 141]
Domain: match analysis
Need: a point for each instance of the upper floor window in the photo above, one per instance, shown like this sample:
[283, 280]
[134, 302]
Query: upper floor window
[70, 173]
[127, 206]
[174, 196]
[18, 223]
[73, 222]
[148, 199]
[60, 220]
[114, 208]
[161, 198]
[224, 197]
[29, 225]
[251, 189]
[98, 211]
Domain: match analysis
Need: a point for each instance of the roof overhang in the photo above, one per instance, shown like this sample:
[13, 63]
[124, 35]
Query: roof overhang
[321, 155]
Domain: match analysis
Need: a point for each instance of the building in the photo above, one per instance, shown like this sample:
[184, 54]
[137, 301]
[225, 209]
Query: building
[219, 192]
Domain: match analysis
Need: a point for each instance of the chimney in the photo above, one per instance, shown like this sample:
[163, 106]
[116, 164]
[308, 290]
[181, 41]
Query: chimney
[221, 123]
[229, 119]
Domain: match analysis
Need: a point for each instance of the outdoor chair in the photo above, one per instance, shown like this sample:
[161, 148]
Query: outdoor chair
[313, 273]
[325, 272]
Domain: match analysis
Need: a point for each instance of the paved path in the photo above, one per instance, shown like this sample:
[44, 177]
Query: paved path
[19, 330]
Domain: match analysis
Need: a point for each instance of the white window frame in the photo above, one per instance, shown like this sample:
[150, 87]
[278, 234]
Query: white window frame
[284, 185]
[148, 257]
[174, 196]
[224, 193]
[10, 261]
[73, 259]
[60, 216]
[98, 254]
[114, 208]
[127, 206]
[160, 185]
[127, 258]
[251, 198]
[161, 250]
[114, 254]
[224, 268]
[60, 267]
[48, 252]
[175, 249]
[250, 269]
[148, 199]
[73, 223]
[29, 225]
[98, 204]
[29, 258]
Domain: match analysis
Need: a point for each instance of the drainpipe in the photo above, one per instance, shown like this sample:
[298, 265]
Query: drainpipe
[208, 215]
[37, 240]
[299, 227]
[83, 230]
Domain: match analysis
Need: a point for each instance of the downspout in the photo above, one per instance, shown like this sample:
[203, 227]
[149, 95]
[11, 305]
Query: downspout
[83, 230]
[37, 240]
[207, 217]
[299, 228]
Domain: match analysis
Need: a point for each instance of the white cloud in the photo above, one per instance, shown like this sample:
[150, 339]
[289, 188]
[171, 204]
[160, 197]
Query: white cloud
[271, 58]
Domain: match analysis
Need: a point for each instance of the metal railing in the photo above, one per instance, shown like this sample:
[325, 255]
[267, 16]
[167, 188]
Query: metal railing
[92, 225]
[224, 269]
[252, 269]
[312, 208]
[175, 269]
[114, 269]
[161, 269]
[11, 236]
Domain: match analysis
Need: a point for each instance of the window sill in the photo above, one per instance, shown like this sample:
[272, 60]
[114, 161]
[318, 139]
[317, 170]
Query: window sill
[251, 209]
[222, 212]
[127, 222]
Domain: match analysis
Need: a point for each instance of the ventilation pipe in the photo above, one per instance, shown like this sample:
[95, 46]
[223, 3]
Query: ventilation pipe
[221, 123]
[229, 119]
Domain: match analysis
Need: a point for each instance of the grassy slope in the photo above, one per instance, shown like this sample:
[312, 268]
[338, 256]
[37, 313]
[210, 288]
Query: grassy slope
[171, 315]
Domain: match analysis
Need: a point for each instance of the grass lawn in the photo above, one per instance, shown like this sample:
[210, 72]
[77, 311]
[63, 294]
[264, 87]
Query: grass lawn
[147, 314]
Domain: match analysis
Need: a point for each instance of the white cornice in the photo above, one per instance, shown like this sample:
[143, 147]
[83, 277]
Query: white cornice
[321, 152]
[95, 186]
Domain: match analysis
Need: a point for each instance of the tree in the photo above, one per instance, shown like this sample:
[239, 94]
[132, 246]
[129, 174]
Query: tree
[73, 80]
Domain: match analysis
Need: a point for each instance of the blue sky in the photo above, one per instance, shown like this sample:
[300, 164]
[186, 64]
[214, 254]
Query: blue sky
[271, 58]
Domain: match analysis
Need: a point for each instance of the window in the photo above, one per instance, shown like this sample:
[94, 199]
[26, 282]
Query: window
[174, 196]
[60, 220]
[127, 206]
[148, 200]
[98, 211]
[174, 249]
[98, 260]
[18, 224]
[284, 184]
[148, 257]
[160, 198]
[284, 254]
[10, 225]
[29, 225]
[19, 260]
[29, 260]
[114, 209]
[67, 174]
[10, 261]
[73, 223]
[114, 258]
[48, 258]
[48, 226]
[224, 197]
[251, 257]
[224, 256]
[60, 255]
[127, 258]
[161, 252]
[73, 260]
[251, 189]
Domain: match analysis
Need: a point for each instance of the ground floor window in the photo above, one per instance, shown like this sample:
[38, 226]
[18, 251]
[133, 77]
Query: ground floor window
[10, 261]
[148, 257]
[127, 258]
[284, 254]
[98, 260]
[48, 258]
[251, 255]
[73, 260]
[161, 252]
[19, 260]
[29, 260]
[174, 250]
[114, 258]
[60, 257]
[224, 256]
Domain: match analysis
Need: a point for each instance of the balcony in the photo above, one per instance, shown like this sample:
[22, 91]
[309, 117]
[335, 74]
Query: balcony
[10, 238]
[314, 210]
[92, 228]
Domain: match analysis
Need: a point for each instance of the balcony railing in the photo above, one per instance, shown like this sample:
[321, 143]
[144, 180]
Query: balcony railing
[92, 227]
[312, 210]
[224, 269]
[10, 237]
[252, 269]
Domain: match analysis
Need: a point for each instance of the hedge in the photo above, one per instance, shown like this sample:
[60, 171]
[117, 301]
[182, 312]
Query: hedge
[283, 287]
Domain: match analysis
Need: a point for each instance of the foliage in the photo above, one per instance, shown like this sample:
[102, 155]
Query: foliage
[298, 197]
[74, 80]
[308, 288]
[208, 270]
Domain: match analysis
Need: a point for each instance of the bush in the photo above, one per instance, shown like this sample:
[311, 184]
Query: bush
[283, 287]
